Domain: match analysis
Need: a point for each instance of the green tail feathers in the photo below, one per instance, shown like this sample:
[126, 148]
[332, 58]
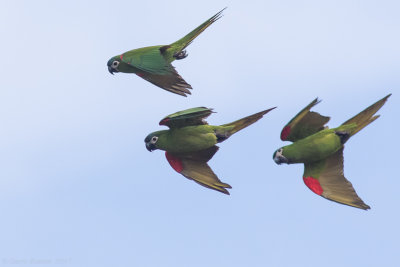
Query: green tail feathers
[366, 116]
[188, 39]
[243, 123]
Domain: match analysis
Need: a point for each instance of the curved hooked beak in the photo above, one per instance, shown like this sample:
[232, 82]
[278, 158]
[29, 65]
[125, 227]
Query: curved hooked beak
[279, 159]
[150, 147]
[110, 70]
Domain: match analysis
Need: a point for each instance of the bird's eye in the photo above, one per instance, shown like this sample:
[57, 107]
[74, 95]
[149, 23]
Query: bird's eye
[154, 139]
[115, 64]
[280, 150]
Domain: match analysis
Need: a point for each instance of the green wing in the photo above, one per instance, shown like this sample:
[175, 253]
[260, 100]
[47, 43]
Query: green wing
[194, 167]
[188, 117]
[169, 50]
[325, 178]
[305, 123]
[188, 39]
[149, 64]
[147, 59]
[366, 116]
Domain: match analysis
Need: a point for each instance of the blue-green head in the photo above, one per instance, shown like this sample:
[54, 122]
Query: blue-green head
[113, 64]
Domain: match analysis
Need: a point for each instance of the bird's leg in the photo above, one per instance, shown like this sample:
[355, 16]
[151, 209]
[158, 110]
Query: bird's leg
[221, 136]
[181, 54]
[344, 136]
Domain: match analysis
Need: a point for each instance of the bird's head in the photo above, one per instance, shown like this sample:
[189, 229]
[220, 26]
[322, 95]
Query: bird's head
[278, 156]
[113, 64]
[152, 140]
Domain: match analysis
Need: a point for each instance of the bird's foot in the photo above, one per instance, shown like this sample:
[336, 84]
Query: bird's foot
[221, 136]
[180, 55]
[344, 136]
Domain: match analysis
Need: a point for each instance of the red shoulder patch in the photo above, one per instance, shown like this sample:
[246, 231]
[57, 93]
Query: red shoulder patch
[164, 121]
[121, 56]
[313, 184]
[175, 162]
[285, 133]
[140, 74]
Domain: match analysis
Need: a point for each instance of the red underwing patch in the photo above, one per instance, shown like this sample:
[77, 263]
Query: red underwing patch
[285, 133]
[164, 121]
[313, 184]
[140, 74]
[175, 162]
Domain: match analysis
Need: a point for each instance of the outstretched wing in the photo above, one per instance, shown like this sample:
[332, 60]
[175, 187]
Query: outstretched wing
[188, 117]
[153, 67]
[172, 49]
[325, 178]
[366, 116]
[305, 123]
[194, 167]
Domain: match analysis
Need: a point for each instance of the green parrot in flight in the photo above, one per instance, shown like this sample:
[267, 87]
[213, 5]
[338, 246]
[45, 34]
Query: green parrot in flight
[190, 143]
[153, 63]
[321, 151]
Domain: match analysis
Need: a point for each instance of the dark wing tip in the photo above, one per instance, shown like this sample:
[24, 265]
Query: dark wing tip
[316, 101]
[179, 89]
[223, 188]
[366, 207]
[361, 205]
[218, 15]
[385, 98]
[268, 110]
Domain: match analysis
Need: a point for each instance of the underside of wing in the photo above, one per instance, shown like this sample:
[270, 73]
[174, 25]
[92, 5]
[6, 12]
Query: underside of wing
[194, 167]
[305, 123]
[171, 82]
[325, 178]
[188, 117]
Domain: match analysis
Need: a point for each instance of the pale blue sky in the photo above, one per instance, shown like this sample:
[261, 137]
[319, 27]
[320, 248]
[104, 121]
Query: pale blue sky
[78, 187]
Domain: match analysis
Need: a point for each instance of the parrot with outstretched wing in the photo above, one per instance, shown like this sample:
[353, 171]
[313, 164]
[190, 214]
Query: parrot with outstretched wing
[153, 63]
[190, 143]
[320, 149]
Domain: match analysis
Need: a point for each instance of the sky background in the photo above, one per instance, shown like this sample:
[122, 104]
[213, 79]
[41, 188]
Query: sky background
[78, 187]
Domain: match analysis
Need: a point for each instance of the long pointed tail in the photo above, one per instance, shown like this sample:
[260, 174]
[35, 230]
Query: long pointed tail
[366, 116]
[238, 125]
[188, 39]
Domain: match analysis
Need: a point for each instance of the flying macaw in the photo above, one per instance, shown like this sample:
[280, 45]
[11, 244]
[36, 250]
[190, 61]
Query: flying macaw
[321, 151]
[190, 143]
[153, 63]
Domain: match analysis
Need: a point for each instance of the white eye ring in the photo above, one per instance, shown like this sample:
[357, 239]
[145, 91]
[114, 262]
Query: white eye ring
[154, 139]
[115, 64]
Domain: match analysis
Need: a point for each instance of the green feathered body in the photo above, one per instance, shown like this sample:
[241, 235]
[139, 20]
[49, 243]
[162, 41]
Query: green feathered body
[188, 139]
[153, 57]
[321, 151]
[148, 58]
[153, 63]
[190, 143]
[317, 146]
[189, 132]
